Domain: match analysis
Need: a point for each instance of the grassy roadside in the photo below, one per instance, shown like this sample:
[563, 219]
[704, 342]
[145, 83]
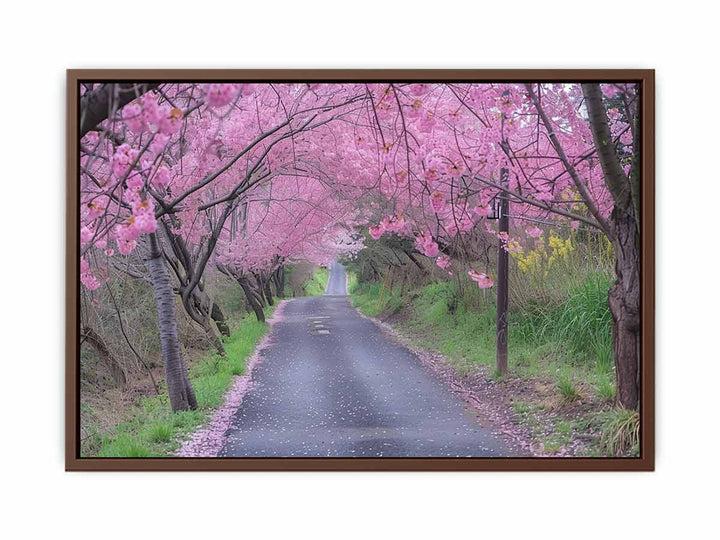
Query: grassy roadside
[560, 355]
[315, 285]
[155, 431]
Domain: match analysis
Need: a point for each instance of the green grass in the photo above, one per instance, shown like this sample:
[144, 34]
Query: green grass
[521, 407]
[373, 299]
[564, 427]
[315, 286]
[562, 436]
[160, 432]
[566, 386]
[155, 431]
[352, 282]
[568, 342]
[605, 385]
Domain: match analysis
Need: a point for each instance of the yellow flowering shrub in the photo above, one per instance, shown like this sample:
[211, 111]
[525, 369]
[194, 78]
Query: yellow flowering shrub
[541, 258]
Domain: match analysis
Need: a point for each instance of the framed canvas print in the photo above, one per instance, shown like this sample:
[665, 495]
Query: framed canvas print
[360, 270]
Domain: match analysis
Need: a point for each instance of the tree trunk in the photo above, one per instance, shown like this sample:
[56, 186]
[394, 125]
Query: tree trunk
[624, 302]
[214, 339]
[95, 104]
[624, 296]
[198, 307]
[268, 292]
[252, 299]
[264, 286]
[219, 317]
[182, 396]
[279, 279]
[98, 343]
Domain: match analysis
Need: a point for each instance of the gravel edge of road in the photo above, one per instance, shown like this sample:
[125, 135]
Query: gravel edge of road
[210, 438]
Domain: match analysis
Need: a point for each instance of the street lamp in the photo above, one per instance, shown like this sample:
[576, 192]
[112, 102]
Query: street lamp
[495, 205]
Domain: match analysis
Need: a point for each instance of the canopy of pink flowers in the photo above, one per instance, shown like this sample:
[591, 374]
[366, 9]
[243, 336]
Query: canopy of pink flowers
[305, 166]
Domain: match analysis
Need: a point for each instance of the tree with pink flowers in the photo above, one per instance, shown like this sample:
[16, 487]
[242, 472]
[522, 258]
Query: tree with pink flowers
[245, 178]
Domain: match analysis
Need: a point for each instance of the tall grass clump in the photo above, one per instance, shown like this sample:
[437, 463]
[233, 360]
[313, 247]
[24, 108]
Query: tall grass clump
[619, 432]
[566, 386]
[580, 324]
[584, 320]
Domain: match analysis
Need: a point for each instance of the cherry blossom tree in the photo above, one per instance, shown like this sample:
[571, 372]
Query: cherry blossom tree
[557, 152]
[245, 178]
[186, 157]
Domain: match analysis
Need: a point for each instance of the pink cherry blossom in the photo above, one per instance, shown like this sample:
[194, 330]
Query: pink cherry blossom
[482, 210]
[171, 122]
[426, 245]
[123, 157]
[437, 201]
[87, 278]
[151, 109]
[443, 261]
[135, 182]
[419, 90]
[609, 90]
[133, 117]
[162, 177]
[95, 208]
[86, 234]
[220, 94]
[159, 143]
[433, 172]
[145, 223]
[483, 280]
[376, 231]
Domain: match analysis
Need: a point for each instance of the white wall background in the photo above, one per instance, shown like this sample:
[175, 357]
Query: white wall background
[40, 41]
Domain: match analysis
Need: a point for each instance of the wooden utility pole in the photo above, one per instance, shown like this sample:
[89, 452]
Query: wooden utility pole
[502, 280]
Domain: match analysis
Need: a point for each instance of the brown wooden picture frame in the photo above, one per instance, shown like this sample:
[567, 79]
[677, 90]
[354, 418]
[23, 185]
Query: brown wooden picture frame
[645, 462]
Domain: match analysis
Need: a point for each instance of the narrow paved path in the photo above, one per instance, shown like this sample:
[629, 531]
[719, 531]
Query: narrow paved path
[332, 384]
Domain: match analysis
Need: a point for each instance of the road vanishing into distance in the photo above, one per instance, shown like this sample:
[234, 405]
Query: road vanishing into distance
[332, 384]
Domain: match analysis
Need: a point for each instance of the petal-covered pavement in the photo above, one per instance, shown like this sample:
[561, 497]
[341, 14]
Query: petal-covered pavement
[332, 384]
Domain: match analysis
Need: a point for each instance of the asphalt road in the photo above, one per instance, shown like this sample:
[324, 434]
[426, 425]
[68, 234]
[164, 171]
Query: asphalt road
[332, 384]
